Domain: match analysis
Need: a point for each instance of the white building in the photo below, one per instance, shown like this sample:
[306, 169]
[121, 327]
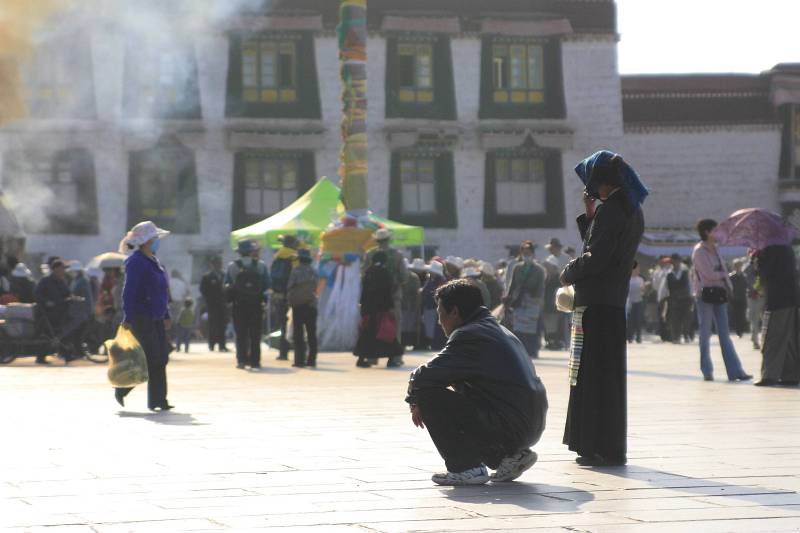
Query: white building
[475, 123]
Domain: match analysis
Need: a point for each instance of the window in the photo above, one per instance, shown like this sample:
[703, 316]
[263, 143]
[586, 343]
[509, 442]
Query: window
[59, 80]
[524, 189]
[419, 77]
[163, 188]
[518, 73]
[269, 70]
[270, 184]
[419, 188]
[415, 63]
[58, 191]
[520, 185]
[273, 75]
[161, 82]
[521, 78]
[267, 181]
[422, 190]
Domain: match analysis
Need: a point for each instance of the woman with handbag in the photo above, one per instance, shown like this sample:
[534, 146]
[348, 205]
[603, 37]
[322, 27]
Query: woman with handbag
[712, 287]
[377, 333]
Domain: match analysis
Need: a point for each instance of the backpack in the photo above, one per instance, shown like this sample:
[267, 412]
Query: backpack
[279, 273]
[248, 286]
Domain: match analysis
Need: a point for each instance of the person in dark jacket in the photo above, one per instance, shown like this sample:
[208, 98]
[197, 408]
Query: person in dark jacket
[679, 300]
[212, 287]
[738, 302]
[247, 282]
[302, 297]
[596, 423]
[145, 308]
[780, 351]
[22, 284]
[497, 407]
[377, 314]
[53, 296]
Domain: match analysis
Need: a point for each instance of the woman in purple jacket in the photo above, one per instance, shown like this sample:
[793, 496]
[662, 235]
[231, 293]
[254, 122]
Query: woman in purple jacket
[145, 298]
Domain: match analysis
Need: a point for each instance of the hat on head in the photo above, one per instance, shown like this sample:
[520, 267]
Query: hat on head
[55, 264]
[75, 266]
[418, 265]
[470, 272]
[247, 246]
[487, 268]
[304, 255]
[454, 261]
[288, 240]
[527, 245]
[21, 271]
[140, 234]
[554, 243]
[382, 234]
[436, 268]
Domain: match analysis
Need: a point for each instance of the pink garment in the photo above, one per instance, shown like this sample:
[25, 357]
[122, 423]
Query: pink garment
[708, 268]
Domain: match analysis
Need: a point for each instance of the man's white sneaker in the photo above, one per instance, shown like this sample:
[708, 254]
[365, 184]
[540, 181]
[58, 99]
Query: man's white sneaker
[513, 466]
[474, 476]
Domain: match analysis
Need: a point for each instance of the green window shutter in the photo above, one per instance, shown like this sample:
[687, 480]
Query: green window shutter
[238, 215]
[187, 218]
[786, 170]
[445, 192]
[392, 79]
[307, 174]
[444, 84]
[234, 106]
[490, 192]
[395, 189]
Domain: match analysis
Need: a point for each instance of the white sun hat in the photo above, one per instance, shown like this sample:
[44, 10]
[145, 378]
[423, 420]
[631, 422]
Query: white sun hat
[436, 268]
[140, 234]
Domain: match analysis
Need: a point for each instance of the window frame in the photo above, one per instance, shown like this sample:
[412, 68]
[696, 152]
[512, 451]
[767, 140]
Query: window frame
[554, 215]
[83, 176]
[445, 215]
[305, 179]
[187, 213]
[306, 103]
[64, 56]
[790, 143]
[144, 69]
[442, 104]
[544, 100]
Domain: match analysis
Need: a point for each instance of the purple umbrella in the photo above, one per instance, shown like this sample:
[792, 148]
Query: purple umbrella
[755, 228]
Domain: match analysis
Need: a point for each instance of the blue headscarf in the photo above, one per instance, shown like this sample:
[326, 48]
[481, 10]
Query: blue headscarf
[589, 168]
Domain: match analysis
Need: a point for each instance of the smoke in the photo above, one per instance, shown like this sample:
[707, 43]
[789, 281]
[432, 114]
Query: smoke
[49, 68]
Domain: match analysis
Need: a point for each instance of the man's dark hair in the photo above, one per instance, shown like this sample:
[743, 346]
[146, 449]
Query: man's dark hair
[705, 226]
[459, 293]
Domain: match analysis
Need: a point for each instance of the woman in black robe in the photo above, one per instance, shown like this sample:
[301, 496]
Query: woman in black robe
[376, 306]
[596, 426]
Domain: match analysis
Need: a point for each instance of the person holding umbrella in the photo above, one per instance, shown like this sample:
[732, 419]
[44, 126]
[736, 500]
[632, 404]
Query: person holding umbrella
[145, 306]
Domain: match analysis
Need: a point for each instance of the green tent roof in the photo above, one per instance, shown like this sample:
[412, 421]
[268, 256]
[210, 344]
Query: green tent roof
[309, 216]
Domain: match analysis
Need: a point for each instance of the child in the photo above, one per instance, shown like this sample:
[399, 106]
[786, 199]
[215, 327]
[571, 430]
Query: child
[186, 324]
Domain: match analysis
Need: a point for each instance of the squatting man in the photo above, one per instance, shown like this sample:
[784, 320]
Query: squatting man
[479, 398]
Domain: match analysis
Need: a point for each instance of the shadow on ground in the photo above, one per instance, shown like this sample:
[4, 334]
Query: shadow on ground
[162, 417]
[529, 496]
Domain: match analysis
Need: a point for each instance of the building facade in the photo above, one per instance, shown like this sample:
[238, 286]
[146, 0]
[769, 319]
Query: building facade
[475, 122]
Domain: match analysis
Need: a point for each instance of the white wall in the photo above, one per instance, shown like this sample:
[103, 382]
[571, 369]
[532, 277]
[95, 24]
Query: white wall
[705, 173]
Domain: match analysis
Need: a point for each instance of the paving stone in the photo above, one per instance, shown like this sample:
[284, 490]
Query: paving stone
[333, 451]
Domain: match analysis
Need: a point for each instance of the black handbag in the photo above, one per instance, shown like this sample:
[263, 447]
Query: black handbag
[714, 295]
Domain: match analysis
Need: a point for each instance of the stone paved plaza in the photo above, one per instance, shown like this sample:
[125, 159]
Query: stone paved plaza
[333, 450]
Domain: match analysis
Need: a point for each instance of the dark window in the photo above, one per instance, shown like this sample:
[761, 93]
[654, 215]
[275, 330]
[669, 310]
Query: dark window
[265, 182]
[523, 189]
[59, 80]
[163, 187]
[521, 78]
[790, 147]
[55, 193]
[161, 82]
[423, 188]
[419, 78]
[273, 75]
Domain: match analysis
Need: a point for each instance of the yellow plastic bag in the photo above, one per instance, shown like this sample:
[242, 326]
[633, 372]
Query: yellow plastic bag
[127, 364]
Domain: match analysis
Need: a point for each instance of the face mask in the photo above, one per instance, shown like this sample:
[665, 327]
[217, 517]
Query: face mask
[155, 246]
